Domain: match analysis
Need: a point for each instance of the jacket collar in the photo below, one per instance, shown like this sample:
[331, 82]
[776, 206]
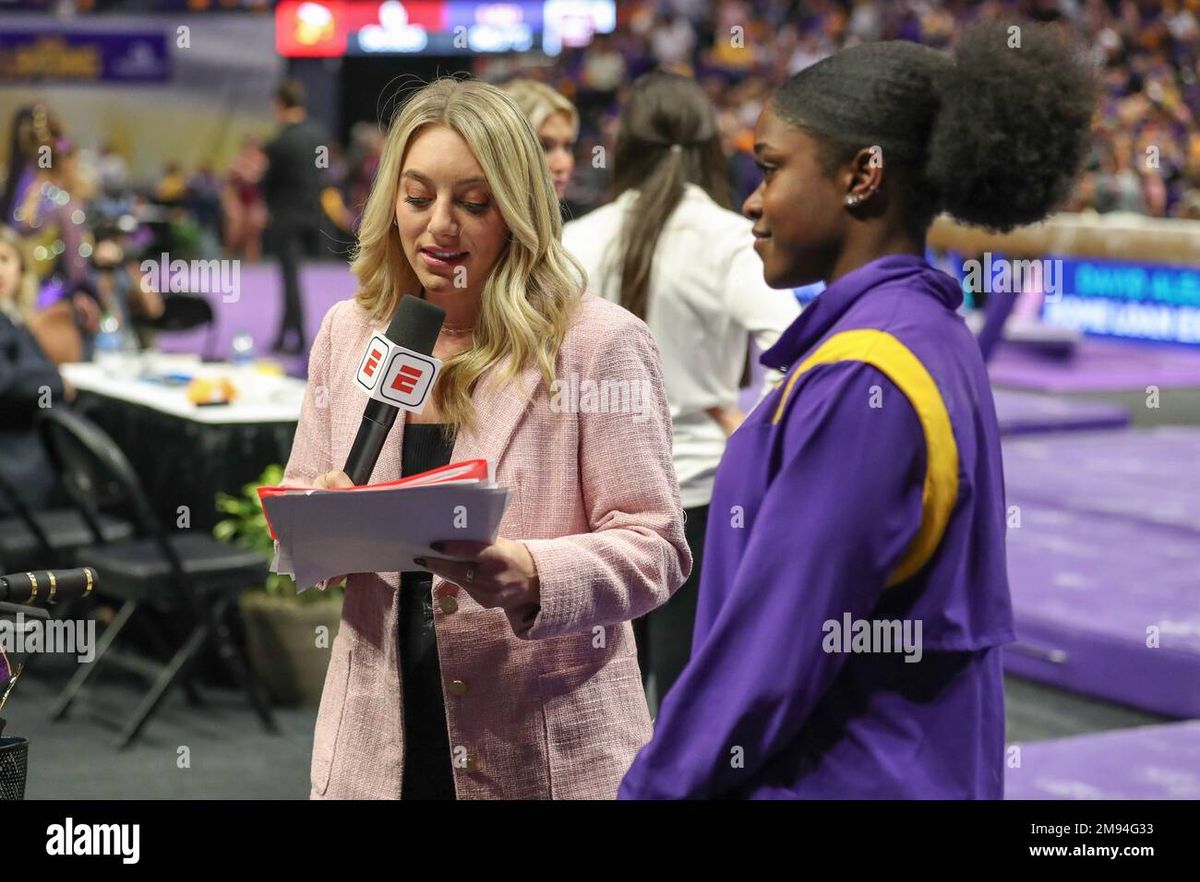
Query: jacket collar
[833, 303]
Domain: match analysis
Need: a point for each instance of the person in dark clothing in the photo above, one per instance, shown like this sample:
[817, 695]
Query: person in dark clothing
[292, 188]
[29, 381]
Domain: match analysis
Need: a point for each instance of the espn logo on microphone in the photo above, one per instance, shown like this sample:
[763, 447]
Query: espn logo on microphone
[368, 371]
[399, 376]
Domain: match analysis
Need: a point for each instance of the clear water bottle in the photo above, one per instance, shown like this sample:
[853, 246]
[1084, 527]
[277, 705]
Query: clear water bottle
[109, 340]
[243, 348]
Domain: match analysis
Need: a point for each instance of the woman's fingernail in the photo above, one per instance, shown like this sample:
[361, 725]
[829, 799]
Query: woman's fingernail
[438, 546]
[420, 561]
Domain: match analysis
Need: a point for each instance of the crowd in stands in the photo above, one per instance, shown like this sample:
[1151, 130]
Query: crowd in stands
[1145, 156]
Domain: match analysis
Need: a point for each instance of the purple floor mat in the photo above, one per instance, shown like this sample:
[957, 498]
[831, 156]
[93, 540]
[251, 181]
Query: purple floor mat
[1149, 762]
[1098, 365]
[1023, 413]
[1150, 475]
[1108, 607]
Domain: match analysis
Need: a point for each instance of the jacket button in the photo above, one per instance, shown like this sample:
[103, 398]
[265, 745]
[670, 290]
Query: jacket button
[448, 604]
[472, 765]
[458, 687]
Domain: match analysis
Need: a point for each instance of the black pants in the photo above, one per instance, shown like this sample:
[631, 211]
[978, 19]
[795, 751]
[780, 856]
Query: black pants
[664, 636]
[292, 243]
[428, 773]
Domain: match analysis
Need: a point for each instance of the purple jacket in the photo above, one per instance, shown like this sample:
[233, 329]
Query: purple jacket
[854, 594]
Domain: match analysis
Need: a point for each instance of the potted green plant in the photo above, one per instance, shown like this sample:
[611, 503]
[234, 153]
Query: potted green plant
[288, 634]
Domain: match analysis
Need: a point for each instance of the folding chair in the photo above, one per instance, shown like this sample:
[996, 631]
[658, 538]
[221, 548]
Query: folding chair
[188, 576]
[49, 539]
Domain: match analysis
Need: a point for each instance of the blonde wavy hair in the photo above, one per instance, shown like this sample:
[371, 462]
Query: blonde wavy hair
[24, 300]
[530, 296]
[539, 102]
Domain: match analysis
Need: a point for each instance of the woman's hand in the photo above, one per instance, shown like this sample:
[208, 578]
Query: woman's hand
[501, 574]
[329, 481]
[332, 480]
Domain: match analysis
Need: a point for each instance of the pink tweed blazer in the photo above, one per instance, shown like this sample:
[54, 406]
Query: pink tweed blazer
[556, 712]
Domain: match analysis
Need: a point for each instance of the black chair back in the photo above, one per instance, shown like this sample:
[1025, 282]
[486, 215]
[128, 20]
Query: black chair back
[184, 312]
[97, 475]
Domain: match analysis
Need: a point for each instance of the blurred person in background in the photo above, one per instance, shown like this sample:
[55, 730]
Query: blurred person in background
[602, 72]
[737, 142]
[32, 128]
[556, 123]
[292, 187]
[362, 160]
[52, 218]
[338, 219]
[670, 251]
[1118, 184]
[672, 40]
[172, 186]
[738, 39]
[1188, 205]
[29, 381]
[590, 182]
[242, 203]
[112, 172]
[125, 297]
[113, 199]
[202, 197]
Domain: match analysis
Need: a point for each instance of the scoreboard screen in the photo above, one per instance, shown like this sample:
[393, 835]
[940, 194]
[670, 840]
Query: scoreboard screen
[335, 28]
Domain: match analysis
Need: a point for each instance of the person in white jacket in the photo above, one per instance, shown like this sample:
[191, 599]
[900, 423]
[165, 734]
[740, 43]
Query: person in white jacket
[669, 250]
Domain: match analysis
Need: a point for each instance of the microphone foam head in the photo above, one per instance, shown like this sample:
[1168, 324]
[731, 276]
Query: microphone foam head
[416, 324]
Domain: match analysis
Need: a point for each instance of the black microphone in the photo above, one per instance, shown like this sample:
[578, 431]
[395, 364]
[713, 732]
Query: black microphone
[415, 326]
[44, 587]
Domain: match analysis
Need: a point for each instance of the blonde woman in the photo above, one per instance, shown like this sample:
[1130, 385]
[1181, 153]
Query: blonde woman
[26, 377]
[556, 122]
[508, 670]
[18, 279]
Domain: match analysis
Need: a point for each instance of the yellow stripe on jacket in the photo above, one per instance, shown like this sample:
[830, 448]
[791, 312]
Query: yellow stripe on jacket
[894, 360]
